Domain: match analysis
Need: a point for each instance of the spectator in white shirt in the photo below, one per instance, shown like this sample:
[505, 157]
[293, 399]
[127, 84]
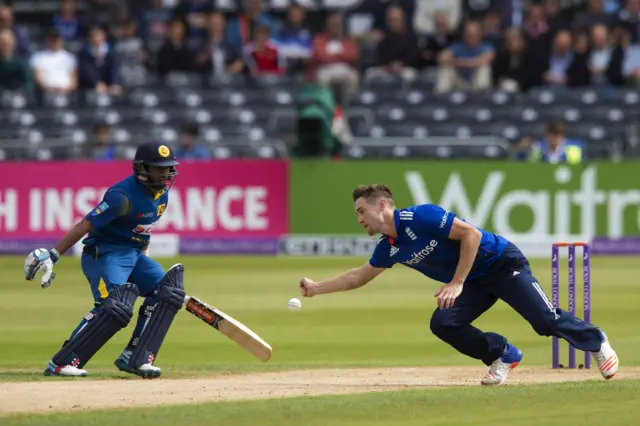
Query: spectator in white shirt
[218, 56]
[55, 68]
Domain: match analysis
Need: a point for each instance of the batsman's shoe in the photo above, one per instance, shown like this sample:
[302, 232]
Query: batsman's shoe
[606, 358]
[64, 370]
[146, 371]
[499, 370]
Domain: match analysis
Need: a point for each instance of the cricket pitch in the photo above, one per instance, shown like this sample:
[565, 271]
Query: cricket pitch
[80, 394]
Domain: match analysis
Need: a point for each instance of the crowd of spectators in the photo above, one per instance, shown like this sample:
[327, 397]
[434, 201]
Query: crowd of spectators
[511, 45]
[596, 45]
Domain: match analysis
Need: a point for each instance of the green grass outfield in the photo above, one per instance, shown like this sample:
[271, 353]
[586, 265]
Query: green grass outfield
[383, 324]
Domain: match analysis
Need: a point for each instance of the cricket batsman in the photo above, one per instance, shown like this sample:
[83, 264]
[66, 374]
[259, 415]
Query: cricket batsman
[116, 263]
[476, 267]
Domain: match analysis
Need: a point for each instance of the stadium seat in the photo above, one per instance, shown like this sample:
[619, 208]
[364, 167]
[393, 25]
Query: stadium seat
[497, 98]
[534, 130]
[13, 100]
[210, 134]
[543, 96]
[415, 98]
[382, 82]
[177, 79]
[407, 130]
[287, 124]
[425, 113]
[93, 99]
[588, 132]
[516, 113]
[281, 96]
[506, 130]
[582, 96]
[56, 101]
[562, 112]
[371, 97]
[472, 113]
[132, 76]
[452, 129]
[457, 98]
[610, 114]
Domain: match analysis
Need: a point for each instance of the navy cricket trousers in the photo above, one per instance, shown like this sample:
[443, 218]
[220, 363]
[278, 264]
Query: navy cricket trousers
[510, 280]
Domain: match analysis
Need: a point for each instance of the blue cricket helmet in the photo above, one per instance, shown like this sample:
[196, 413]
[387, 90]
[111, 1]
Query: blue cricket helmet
[155, 154]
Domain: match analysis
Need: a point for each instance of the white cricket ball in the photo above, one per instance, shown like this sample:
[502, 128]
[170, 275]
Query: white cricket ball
[295, 304]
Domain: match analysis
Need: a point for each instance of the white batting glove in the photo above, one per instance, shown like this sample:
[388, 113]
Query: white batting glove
[40, 260]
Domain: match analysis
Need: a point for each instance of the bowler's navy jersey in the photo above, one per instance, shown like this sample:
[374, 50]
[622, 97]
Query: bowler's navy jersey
[423, 244]
[126, 215]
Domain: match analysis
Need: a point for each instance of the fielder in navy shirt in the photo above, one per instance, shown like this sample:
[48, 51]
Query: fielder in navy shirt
[424, 245]
[476, 267]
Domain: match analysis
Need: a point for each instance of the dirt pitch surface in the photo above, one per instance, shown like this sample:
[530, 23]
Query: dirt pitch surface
[80, 394]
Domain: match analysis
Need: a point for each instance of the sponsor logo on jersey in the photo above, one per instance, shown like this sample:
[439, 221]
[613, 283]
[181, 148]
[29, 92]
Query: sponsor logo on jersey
[419, 256]
[443, 222]
[148, 214]
[410, 234]
[143, 229]
[393, 250]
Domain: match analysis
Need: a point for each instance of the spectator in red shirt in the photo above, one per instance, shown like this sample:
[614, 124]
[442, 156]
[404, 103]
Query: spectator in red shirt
[262, 56]
[334, 59]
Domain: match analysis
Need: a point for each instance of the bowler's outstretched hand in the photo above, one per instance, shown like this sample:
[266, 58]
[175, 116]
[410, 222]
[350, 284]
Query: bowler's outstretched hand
[306, 287]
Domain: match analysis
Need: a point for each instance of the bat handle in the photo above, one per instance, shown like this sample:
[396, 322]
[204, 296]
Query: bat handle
[186, 299]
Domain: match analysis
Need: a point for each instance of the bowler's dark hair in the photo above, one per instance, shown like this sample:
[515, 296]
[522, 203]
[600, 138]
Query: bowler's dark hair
[371, 192]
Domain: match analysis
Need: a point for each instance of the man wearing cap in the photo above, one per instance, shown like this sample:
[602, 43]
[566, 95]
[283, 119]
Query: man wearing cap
[116, 263]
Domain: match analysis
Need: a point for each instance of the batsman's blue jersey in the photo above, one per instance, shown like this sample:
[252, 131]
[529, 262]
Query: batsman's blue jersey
[423, 244]
[126, 215]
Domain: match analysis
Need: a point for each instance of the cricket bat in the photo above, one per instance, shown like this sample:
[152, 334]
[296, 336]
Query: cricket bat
[230, 327]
